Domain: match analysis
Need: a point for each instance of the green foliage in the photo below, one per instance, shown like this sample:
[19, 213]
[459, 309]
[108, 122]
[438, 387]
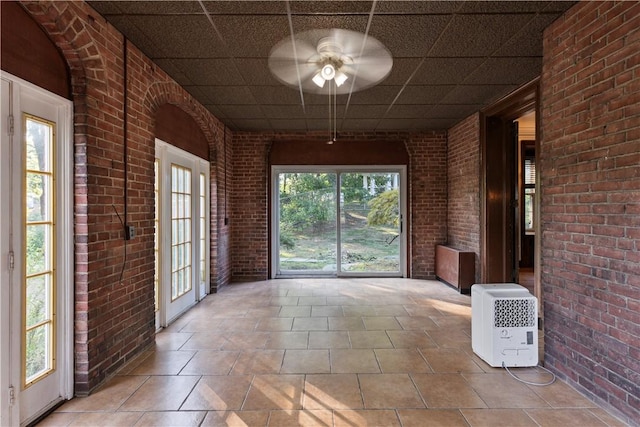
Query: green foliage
[306, 200]
[384, 209]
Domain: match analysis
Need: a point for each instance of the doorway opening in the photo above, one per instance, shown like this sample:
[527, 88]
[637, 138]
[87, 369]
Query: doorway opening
[338, 221]
[510, 203]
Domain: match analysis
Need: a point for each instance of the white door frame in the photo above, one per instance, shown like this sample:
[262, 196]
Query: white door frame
[167, 155]
[18, 406]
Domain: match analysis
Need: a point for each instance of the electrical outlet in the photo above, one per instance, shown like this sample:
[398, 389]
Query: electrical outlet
[129, 232]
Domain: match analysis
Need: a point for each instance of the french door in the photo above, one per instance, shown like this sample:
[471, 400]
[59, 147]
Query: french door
[182, 231]
[36, 215]
[338, 221]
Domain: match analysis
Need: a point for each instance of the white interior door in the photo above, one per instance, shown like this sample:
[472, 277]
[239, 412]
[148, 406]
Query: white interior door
[37, 255]
[182, 231]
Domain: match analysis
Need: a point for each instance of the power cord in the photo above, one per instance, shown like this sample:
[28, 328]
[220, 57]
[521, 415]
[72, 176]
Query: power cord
[553, 376]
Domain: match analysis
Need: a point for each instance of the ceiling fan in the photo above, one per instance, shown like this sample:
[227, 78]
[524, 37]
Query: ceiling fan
[352, 60]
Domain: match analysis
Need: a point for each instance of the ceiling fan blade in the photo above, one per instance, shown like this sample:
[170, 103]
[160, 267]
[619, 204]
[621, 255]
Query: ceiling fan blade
[288, 71]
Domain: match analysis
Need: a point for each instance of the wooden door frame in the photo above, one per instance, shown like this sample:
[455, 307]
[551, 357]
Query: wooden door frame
[494, 257]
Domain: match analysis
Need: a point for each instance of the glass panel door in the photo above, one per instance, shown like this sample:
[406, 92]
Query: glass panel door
[307, 223]
[320, 214]
[370, 222]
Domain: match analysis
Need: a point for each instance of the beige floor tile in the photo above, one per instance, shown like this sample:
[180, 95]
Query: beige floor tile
[558, 394]
[358, 310]
[160, 393]
[450, 338]
[306, 418]
[234, 324]
[609, 419]
[380, 323]
[431, 418]
[109, 397]
[416, 323]
[59, 419]
[370, 339]
[366, 418]
[389, 391]
[205, 341]
[312, 300]
[342, 300]
[284, 301]
[499, 390]
[447, 391]
[390, 310]
[326, 311]
[171, 341]
[275, 392]
[444, 360]
[497, 417]
[163, 363]
[171, 419]
[335, 391]
[263, 312]
[310, 324]
[284, 340]
[329, 339]
[236, 419]
[401, 361]
[295, 311]
[564, 417]
[306, 362]
[346, 324]
[275, 324]
[245, 340]
[115, 419]
[210, 362]
[218, 393]
[258, 362]
[353, 361]
[410, 339]
[421, 310]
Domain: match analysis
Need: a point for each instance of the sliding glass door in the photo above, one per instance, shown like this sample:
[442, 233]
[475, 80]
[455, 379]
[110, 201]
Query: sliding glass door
[337, 221]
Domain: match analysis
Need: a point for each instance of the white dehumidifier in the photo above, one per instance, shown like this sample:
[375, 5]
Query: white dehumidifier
[504, 325]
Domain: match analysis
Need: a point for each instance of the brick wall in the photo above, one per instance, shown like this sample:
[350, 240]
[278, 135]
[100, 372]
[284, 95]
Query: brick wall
[250, 209]
[463, 187]
[114, 315]
[590, 182]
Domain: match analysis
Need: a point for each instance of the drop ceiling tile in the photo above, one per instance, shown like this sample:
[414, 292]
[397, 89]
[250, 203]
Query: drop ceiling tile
[403, 111]
[221, 95]
[502, 6]
[323, 100]
[146, 7]
[445, 71]
[477, 94]
[528, 41]
[408, 35]
[208, 71]
[174, 36]
[404, 124]
[288, 124]
[275, 95]
[506, 71]
[330, 7]
[249, 125]
[428, 7]
[319, 111]
[303, 23]
[375, 95]
[242, 111]
[283, 111]
[401, 71]
[198, 93]
[429, 94]
[366, 111]
[255, 71]
[215, 110]
[477, 35]
[445, 111]
[358, 125]
[249, 36]
[218, 7]
[170, 67]
[559, 6]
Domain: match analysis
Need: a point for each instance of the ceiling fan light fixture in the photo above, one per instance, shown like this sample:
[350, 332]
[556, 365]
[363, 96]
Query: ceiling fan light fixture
[340, 78]
[328, 71]
[318, 79]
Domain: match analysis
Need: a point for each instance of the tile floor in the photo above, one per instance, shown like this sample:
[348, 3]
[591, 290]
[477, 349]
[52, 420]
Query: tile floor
[325, 352]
